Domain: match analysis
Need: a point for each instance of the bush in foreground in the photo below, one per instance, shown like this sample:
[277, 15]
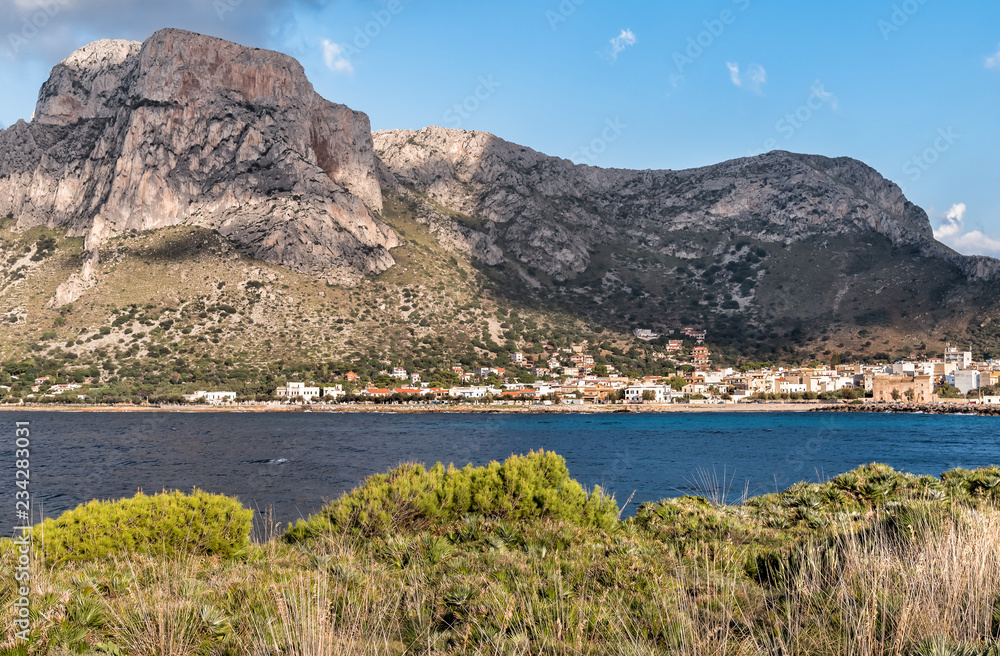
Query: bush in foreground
[534, 486]
[874, 562]
[167, 524]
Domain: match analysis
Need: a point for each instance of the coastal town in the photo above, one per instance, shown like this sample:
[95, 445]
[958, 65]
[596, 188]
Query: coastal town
[573, 381]
[573, 377]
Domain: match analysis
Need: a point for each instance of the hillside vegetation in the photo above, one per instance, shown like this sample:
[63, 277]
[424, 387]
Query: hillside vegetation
[180, 309]
[873, 561]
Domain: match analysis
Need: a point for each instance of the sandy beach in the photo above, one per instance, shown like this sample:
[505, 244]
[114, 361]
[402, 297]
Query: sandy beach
[435, 409]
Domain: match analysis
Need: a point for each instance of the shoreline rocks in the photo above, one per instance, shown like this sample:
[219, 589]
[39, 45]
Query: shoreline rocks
[916, 408]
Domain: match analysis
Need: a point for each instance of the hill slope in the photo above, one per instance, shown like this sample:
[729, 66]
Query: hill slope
[794, 242]
[197, 202]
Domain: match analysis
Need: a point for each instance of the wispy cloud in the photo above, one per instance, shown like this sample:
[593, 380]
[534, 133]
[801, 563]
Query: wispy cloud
[954, 233]
[993, 61]
[619, 43]
[825, 95]
[753, 79]
[734, 72]
[55, 28]
[333, 57]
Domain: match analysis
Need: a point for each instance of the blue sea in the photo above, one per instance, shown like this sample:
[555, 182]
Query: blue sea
[294, 462]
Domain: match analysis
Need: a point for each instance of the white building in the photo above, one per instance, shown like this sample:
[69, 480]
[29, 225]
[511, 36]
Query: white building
[292, 390]
[333, 392]
[59, 389]
[961, 359]
[642, 333]
[966, 381]
[473, 392]
[415, 378]
[635, 394]
[211, 397]
[904, 369]
[786, 386]
[399, 372]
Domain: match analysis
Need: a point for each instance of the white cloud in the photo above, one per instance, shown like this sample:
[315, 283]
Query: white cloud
[953, 232]
[65, 25]
[620, 42]
[753, 79]
[333, 57]
[993, 61]
[953, 223]
[734, 72]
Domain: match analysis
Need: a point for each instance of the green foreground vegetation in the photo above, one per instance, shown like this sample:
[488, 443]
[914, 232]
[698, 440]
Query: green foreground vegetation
[517, 558]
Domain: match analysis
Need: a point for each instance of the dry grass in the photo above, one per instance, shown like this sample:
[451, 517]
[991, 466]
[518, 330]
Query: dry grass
[865, 594]
[901, 579]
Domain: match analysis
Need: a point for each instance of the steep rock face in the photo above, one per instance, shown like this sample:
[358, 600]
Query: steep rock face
[188, 128]
[551, 215]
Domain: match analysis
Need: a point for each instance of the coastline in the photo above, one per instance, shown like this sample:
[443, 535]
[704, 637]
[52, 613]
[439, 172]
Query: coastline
[649, 408]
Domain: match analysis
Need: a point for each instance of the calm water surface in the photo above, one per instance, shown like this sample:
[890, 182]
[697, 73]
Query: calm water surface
[294, 462]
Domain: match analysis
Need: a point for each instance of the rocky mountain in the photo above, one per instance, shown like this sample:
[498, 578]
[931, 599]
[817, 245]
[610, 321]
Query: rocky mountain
[780, 238]
[186, 128]
[551, 214]
[187, 131]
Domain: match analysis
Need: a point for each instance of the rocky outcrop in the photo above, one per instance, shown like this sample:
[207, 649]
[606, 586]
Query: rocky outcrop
[552, 215]
[186, 128]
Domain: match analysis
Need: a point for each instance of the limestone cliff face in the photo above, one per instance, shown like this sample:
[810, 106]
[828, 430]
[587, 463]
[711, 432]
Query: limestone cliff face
[552, 215]
[186, 128]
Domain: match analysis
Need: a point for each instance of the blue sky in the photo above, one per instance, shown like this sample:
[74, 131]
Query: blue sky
[910, 87]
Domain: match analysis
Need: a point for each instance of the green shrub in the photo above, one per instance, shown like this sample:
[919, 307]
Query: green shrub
[411, 497]
[688, 517]
[169, 523]
[977, 484]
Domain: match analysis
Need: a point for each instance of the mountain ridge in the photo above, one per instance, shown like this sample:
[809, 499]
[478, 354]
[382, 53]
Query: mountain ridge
[393, 143]
[689, 244]
[189, 130]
